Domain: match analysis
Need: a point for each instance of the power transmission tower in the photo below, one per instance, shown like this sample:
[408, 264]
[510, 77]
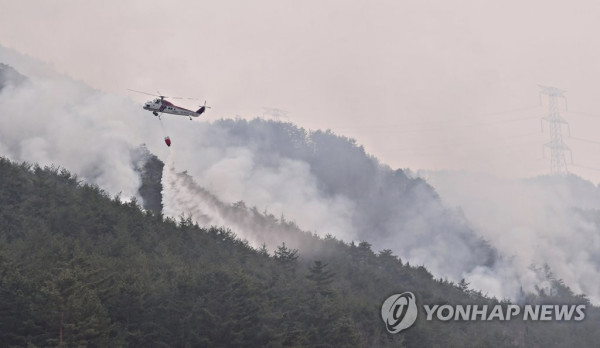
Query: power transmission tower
[558, 162]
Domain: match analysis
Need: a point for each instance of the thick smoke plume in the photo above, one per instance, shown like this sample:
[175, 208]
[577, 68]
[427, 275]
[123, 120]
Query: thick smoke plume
[324, 183]
[60, 122]
[535, 222]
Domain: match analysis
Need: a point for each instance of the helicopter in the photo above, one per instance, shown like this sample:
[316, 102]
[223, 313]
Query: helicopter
[159, 106]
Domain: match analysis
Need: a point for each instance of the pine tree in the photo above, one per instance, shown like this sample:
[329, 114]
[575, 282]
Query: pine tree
[286, 257]
[321, 277]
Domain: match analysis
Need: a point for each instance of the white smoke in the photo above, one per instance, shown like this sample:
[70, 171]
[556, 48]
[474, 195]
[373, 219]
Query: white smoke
[59, 122]
[285, 188]
[530, 222]
[56, 121]
[179, 200]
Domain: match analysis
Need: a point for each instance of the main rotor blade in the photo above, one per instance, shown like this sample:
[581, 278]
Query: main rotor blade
[162, 96]
[184, 98]
[133, 90]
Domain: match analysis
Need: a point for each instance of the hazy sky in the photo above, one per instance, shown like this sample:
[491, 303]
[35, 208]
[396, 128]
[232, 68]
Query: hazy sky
[422, 84]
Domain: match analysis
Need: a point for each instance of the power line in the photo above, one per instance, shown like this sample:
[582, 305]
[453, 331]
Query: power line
[505, 121]
[523, 135]
[585, 140]
[399, 129]
[584, 114]
[512, 110]
[458, 144]
[586, 167]
[392, 127]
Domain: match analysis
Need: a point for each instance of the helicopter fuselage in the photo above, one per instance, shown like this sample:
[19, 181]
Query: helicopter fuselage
[162, 106]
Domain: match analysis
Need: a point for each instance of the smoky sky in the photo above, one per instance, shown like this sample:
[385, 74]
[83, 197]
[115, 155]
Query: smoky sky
[54, 120]
[423, 85]
[431, 85]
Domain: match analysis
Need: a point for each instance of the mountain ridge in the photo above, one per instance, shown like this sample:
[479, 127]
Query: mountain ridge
[320, 181]
[82, 268]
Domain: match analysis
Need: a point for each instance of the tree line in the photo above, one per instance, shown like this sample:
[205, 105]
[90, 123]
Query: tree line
[79, 268]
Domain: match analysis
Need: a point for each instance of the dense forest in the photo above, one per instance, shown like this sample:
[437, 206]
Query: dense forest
[384, 206]
[79, 268]
[82, 268]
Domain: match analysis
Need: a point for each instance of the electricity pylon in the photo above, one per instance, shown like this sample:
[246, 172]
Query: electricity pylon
[558, 162]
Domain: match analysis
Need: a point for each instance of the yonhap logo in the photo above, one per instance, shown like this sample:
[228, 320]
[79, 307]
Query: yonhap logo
[399, 312]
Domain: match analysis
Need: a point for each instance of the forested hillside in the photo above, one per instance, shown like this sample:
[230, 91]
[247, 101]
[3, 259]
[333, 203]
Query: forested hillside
[79, 268]
[323, 182]
[379, 204]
